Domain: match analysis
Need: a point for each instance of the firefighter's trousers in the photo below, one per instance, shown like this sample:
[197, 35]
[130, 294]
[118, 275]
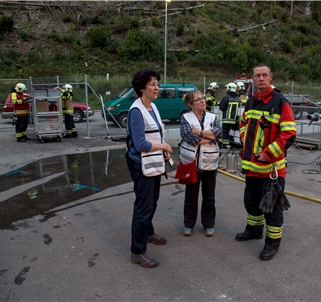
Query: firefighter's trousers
[226, 131]
[69, 124]
[21, 126]
[254, 191]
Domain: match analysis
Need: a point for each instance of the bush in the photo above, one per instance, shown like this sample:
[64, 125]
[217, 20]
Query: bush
[6, 24]
[140, 45]
[156, 23]
[100, 36]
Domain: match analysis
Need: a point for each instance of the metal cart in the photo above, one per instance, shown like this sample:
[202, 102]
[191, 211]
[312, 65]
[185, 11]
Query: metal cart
[47, 114]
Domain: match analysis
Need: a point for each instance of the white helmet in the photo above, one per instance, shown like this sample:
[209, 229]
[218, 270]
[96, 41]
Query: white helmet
[68, 87]
[213, 85]
[231, 87]
[20, 87]
[241, 85]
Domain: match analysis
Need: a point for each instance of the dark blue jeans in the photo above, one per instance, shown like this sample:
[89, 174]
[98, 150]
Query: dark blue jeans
[208, 212]
[147, 193]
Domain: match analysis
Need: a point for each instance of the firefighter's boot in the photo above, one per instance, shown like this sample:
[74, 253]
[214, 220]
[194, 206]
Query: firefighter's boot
[21, 140]
[26, 137]
[268, 253]
[247, 235]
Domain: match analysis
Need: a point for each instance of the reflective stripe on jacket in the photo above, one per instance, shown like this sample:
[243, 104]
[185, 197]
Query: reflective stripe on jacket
[208, 154]
[20, 106]
[267, 126]
[153, 163]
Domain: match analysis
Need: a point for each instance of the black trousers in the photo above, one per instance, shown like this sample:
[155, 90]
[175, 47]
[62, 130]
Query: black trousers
[208, 212]
[255, 189]
[21, 126]
[147, 194]
[69, 123]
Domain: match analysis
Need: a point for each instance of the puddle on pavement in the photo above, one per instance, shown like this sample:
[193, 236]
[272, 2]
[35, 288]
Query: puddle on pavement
[78, 176]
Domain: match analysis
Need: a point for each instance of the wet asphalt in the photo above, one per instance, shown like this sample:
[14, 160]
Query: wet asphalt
[65, 218]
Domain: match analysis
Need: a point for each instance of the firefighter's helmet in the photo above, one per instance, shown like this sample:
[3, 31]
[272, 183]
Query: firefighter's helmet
[68, 87]
[20, 87]
[231, 87]
[241, 85]
[213, 85]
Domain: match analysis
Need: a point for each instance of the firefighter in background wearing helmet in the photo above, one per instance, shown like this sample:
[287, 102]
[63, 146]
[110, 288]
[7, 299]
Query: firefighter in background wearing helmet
[21, 111]
[240, 90]
[229, 106]
[210, 96]
[68, 110]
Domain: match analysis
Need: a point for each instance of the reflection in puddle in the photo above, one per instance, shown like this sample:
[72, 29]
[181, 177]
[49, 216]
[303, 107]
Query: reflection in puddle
[63, 178]
[84, 174]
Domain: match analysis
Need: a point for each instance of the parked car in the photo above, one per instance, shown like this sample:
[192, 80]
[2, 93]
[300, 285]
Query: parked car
[80, 111]
[169, 103]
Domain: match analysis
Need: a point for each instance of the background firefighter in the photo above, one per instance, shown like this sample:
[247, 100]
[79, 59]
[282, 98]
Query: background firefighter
[210, 96]
[267, 130]
[240, 90]
[229, 106]
[21, 111]
[68, 110]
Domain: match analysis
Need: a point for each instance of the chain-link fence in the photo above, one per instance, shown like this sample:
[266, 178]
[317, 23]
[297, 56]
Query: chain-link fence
[87, 89]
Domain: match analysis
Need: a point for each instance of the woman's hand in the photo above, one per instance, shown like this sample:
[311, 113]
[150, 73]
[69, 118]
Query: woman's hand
[168, 151]
[196, 131]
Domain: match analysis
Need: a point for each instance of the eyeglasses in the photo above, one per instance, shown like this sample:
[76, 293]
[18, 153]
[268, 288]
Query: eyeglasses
[154, 85]
[198, 100]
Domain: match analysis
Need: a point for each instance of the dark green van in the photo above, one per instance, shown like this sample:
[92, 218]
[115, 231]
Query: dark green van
[169, 102]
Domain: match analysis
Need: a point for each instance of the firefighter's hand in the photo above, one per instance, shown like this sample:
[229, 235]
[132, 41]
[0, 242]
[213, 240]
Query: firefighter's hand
[14, 121]
[260, 157]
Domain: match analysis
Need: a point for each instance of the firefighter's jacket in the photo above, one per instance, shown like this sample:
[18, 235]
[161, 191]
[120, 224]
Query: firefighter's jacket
[267, 126]
[66, 98]
[230, 105]
[153, 163]
[206, 155]
[243, 97]
[20, 104]
[210, 100]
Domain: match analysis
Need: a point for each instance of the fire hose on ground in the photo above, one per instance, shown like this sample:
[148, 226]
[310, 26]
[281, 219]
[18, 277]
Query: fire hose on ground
[285, 191]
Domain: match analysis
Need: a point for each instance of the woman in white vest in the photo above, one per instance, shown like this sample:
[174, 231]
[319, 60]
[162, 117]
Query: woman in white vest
[146, 156]
[200, 132]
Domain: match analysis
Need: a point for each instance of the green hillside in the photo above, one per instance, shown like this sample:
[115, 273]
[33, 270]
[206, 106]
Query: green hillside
[205, 38]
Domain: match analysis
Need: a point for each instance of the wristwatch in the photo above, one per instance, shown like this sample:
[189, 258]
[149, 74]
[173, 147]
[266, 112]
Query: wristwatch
[201, 133]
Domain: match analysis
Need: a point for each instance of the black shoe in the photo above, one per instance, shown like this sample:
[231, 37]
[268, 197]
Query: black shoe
[74, 134]
[268, 253]
[21, 140]
[247, 236]
[67, 136]
[26, 137]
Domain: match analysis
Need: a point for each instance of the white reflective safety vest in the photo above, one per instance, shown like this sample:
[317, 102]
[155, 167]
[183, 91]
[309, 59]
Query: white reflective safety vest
[153, 163]
[208, 154]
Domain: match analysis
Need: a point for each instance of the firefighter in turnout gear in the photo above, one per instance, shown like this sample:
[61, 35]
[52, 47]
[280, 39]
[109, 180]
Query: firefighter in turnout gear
[21, 111]
[68, 110]
[229, 106]
[240, 90]
[210, 96]
[267, 130]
